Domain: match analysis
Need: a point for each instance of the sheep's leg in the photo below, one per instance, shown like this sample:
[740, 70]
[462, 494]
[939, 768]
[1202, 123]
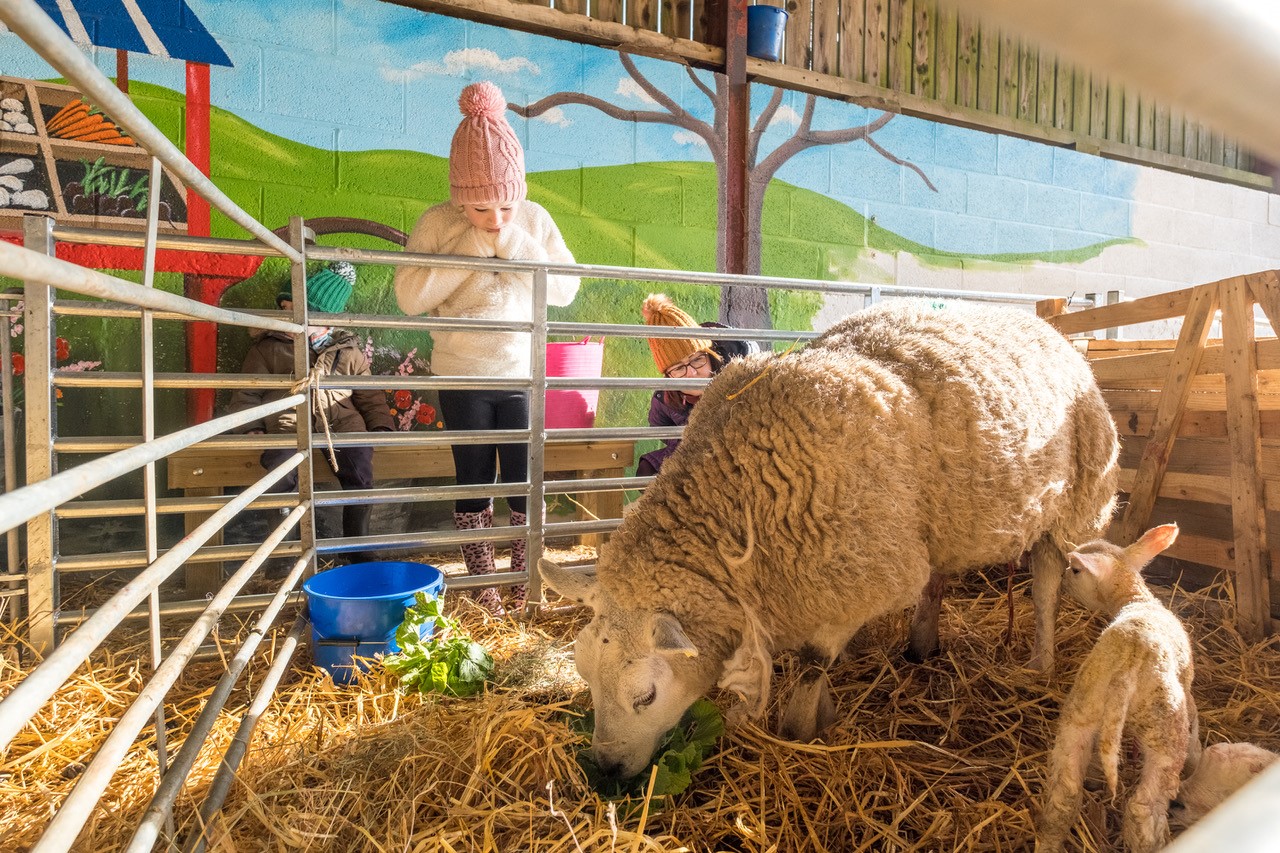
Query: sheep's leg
[1047, 563]
[1067, 765]
[1193, 744]
[1146, 818]
[924, 624]
[810, 709]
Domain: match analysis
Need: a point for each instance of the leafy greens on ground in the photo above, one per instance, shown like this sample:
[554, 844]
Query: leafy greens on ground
[445, 661]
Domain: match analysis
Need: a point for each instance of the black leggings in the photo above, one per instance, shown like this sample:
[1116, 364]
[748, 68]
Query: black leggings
[479, 463]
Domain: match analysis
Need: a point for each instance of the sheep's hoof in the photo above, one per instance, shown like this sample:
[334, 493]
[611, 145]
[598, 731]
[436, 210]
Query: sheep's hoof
[810, 711]
[914, 655]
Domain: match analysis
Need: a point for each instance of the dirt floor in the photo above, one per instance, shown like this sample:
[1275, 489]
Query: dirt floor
[941, 756]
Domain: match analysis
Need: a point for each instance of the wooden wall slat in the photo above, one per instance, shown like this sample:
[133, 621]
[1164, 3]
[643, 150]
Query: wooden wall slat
[572, 7]
[1160, 142]
[798, 52]
[988, 70]
[1046, 75]
[607, 10]
[643, 14]
[1028, 80]
[1097, 125]
[1146, 121]
[901, 16]
[923, 47]
[676, 18]
[1176, 121]
[853, 37]
[1081, 102]
[1064, 96]
[946, 53]
[1215, 147]
[876, 45]
[1006, 96]
[826, 26]
[967, 62]
[1129, 134]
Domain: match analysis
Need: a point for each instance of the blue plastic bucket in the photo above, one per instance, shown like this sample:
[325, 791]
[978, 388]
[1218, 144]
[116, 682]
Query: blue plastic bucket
[355, 610]
[765, 26]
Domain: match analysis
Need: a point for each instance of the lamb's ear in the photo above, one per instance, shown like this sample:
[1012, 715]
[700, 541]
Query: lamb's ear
[1151, 544]
[568, 583]
[669, 636]
[748, 671]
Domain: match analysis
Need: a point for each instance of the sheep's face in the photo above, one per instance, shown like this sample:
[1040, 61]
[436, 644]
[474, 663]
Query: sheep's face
[635, 665]
[1089, 570]
[1224, 768]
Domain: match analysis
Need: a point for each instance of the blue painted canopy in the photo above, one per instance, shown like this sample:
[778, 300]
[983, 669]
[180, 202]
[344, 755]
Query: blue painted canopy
[165, 28]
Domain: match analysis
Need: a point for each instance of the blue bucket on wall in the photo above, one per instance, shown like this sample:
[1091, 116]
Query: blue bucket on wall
[765, 26]
[355, 610]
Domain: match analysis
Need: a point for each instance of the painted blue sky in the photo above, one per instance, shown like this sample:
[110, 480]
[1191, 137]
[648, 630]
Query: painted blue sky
[362, 75]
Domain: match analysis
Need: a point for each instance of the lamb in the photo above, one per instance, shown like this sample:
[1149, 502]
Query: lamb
[819, 489]
[1137, 679]
[1224, 768]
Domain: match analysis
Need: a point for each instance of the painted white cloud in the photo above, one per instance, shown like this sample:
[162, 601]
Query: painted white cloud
[458, 63]
[785, 115]
[555, 116]
[688, 137]
[629, 88]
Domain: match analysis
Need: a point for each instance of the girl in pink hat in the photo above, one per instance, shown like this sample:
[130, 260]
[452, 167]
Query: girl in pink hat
[487, 216]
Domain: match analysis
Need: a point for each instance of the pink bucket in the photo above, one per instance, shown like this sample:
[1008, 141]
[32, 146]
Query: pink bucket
[580, 359]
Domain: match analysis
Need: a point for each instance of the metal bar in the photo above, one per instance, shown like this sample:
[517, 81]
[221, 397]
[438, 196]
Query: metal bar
[678, 332]
[240, 743]
[36, 28]
[138, 559]
[75, 810]
[401, 541]
[164, 506]
[23, 263]
[104, 379]
[9, 433]
[538, 440]
[301, 368]
[189, 607]
[44, 493]
[161, 808]
[173, 241]
[1247, 822]
[420, 494]
[26, 699]
[42, 531]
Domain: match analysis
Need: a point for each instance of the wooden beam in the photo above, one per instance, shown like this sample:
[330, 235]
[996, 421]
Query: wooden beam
[1248, 519]
[1204, 488]
[1173, 400]
[1162, 306]
[1265, 287]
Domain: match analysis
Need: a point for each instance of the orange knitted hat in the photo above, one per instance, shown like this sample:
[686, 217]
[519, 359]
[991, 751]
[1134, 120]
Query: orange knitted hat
[486, 162]
[659, 310]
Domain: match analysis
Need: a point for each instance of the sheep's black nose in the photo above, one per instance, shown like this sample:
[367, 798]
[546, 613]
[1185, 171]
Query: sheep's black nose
[610, 770]
[1176, 806]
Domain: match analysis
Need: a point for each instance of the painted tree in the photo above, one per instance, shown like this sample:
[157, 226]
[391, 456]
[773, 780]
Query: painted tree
[744, 307]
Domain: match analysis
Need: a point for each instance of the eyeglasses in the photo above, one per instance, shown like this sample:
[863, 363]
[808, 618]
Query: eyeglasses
[693, 364]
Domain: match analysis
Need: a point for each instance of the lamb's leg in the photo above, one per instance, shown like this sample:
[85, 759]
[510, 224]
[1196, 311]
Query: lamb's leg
[1146, 818]
[924, 624]
[810, 708]
[1067, 765]
[1193, 744]
[1047, 564]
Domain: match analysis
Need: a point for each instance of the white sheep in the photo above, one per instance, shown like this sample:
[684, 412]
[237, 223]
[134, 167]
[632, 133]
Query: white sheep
[816, 490]
[1224, 768]
[1136, 679]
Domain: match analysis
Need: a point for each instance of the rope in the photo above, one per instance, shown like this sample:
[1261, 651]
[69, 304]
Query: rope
[312, 385]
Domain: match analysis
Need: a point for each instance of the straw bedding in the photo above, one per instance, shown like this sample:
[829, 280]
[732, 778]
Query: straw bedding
[948, 755]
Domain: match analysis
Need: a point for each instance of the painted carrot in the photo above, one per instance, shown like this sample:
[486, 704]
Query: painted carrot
[99, 136]
[72, 106]
[119, 140]
[86, 125]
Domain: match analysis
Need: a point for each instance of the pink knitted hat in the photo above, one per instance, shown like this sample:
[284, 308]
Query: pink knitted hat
[486, 162]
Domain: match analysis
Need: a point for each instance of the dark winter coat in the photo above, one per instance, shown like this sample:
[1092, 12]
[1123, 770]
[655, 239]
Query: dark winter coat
[348, 411]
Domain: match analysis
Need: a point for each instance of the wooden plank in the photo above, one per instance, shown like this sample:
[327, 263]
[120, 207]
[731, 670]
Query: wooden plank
[1162, 306]
[1045, 88]
[1115, 111]
[1268, 384]
[201, 578]
[1155, 457]
[1130, 119]
[572, 7]
[1215, 147]
[1064, 97]
[1265, 288]
[1248, 520]
[1203, 488]
[607, 10]
[1081, 104]
[826, 27]
[875, 60]
[1097, 106]
[1197, 402]
[923, 73]
[901, 16]
[677, 19]
[1028, 81]
[1047, 308]
[1196, 455]
[946, 53]
[1137, 422]
[1154, 366]
[1204, 141]
[798, 49]
[1230, 153]
[1176, 121]
[853, 37]
[988, 69]
[1190, 138]
[967, 39]
[643, 14]
[1161, 141]
[1007, 94]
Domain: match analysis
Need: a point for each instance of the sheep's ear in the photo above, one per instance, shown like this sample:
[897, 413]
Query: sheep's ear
[1090, 562]
[669, 636]
[748, 671]
[1151, 544]
[568, 583]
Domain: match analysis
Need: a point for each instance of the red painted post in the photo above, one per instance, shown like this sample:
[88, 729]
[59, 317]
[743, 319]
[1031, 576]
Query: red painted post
[202, 337]
[737, 128]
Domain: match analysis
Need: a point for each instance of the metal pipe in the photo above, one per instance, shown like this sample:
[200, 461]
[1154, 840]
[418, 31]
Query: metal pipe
[1247, 822]
[138, 559]
[420, 494]
[12, 554]
[42, 496]
[189, 607]
[165, 506]
[29, 696]
[110, 379]
[161, 808]
[34, 27]
[536, 541]
[75, 810]
[23, 263]
[301, 368]
[240, 743]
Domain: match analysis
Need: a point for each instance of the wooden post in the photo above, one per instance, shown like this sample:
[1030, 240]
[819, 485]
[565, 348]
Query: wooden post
[1248, 518]
[1173, 401]
[1047, 308]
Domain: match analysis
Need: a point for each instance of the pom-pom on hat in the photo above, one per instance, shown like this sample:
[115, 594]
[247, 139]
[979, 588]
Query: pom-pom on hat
[328, 290]
[659, 310]
[486, 162]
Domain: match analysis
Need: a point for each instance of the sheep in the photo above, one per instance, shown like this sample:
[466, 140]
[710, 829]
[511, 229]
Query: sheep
[1137, 678]
[818, 489]
[1224, 768]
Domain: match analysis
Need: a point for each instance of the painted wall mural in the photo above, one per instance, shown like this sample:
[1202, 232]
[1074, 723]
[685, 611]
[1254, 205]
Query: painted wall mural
[346, 108]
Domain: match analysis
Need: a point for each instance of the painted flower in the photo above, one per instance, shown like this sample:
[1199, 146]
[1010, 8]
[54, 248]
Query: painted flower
[403, 399]
[393, 412]
[19, 364]
[63, 349]
[426, 415]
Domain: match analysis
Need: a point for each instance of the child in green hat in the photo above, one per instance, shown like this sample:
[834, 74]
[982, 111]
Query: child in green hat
[334, 352]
